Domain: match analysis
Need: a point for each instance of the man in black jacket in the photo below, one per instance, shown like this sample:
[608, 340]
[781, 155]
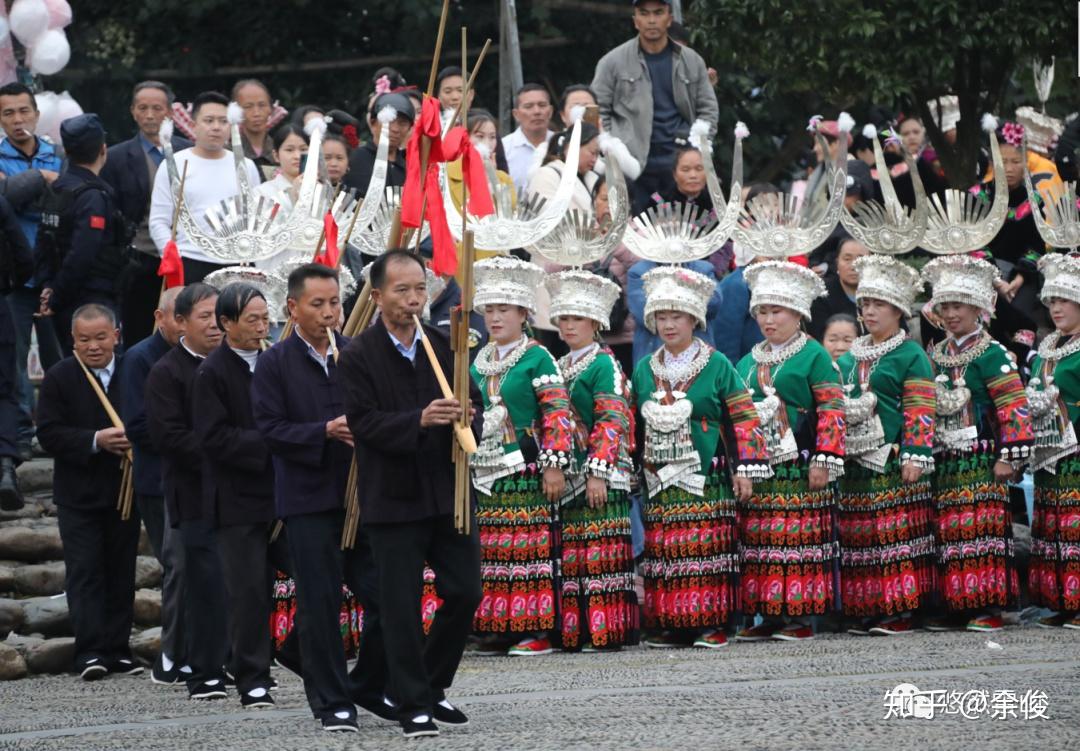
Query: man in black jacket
[81, 260]
[130, 171]
[149, 495]
[16, 266]
[99, 547]
[238, 485]
[404, 435]
[298, 408]
[169, 408]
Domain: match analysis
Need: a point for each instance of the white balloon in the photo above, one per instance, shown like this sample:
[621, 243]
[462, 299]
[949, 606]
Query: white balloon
[50, 53]
[67, 107]
[48, 124]
[29, 19]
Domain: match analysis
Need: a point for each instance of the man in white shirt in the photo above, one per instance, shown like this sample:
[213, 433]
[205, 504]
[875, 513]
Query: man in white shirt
[532, 111]
[211, 178]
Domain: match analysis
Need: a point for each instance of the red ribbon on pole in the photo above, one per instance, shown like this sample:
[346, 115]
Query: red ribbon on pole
[330, 252]
[457, 145]
[171, 266]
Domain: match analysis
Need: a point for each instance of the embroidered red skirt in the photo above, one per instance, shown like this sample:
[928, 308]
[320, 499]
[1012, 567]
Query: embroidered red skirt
[1054, 569]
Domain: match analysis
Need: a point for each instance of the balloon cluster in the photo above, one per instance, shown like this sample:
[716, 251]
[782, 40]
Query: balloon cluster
[39, 26]
[54, 109]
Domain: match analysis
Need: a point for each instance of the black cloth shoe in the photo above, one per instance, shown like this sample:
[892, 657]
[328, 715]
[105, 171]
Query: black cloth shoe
[124, 666]
[256, 697]
[163, 677]
[10, 496]
[25, 447]
[93, 669]
[230, 681]
[419, 727]
[446, 713]
[381, 708]
[211, 689]
[342, 721]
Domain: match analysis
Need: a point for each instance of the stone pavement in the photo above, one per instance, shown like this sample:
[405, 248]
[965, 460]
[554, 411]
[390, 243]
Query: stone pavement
[824, 694]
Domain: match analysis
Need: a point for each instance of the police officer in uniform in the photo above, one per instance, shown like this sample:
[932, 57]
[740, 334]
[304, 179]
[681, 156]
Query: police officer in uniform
[16, 266]
[82, 246]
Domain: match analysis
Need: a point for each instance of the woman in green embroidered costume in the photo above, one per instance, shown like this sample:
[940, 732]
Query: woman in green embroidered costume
[598, 604]
[982, 439]
[703, 448]
[884, 516]
[1054, 393]
[786, 529]
[518, 469]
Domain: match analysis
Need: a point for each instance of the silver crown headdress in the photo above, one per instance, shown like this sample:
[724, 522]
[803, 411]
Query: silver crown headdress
[575, 292]
[262, 280]
[963, 279]
[530, 222]
[678, 289]
[785, 284]
[883, 277]
[506, 280]
[891, 229]
[964, 223]
[1041, 129]
[674, 232]
[778, 225]
[1061, 277]
[577, 240]
[1058, 220]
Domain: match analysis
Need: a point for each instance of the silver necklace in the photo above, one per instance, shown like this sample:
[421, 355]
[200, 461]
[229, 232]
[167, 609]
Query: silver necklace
[863, 348]
[960, 359]
[763, 354]
[571, 370]
[1048, 349]
[680, 375]
[487, 365]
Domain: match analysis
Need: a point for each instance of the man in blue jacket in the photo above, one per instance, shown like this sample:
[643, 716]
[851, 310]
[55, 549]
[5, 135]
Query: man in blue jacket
[31, 163]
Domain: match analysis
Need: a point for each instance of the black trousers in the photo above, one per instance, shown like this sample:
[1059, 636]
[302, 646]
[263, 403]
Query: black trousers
[319, 566]
[9, 398]
[196, 271]
[204, 603]
[140, 300]
[99, 563]
[246, 559]
[421, 672]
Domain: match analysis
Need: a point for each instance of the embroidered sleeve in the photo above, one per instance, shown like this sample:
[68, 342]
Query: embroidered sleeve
[556, 425]
[611, 419]
[751, 459]
[829, 403]
[1015, 434]
[917, 442]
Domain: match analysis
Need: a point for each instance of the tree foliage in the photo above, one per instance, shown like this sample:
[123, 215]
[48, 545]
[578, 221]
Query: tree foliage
[832, 55]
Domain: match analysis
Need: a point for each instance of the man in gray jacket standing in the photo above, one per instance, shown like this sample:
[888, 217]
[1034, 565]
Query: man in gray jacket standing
[650, 90]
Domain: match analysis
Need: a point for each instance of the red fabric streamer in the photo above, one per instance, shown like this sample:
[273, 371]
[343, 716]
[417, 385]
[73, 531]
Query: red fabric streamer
[457, 145]
[328, 256]
[171, 266]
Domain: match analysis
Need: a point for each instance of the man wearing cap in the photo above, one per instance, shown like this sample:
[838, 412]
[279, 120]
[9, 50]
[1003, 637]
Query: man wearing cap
[649, 90]
[362, 161]
[90, 239]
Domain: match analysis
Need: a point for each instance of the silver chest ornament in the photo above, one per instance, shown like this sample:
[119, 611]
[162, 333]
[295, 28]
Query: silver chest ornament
[490, 452]
[952, 432]
[779, 443]
[667, 429]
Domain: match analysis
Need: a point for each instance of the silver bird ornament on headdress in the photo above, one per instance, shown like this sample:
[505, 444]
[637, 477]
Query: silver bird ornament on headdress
[892, 228]
[676, 232]
[963, 223]
[530, 222]
[1058, 220]
[578, 239]
[778, 225]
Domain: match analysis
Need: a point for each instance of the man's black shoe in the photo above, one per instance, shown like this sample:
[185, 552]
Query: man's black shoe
[163, 677]
[419, 727]
[93, 669]
[211, 689]
[342, 721]
[255, 698]
[446, 713]
[124, 666]
[380, 708]
[11, 498]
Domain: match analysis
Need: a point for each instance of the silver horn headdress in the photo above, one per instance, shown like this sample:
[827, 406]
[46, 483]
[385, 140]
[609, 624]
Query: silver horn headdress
[964, 223]
[530, 222]
[578, 240]
[675, 233]
[1058, 221]
[779, 225]
[892, 228]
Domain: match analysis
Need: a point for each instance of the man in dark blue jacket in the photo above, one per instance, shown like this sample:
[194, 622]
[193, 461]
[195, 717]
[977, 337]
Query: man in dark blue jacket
[16, 266]
[299, 409]
[149, 495]
[81, 259]
[130, 170]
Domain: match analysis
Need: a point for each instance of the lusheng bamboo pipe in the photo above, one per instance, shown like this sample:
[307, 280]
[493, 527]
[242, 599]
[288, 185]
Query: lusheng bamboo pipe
[127, 486]
[464, 435]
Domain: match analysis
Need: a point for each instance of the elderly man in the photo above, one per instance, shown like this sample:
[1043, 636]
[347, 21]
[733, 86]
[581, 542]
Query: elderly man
[99, 546]
[532, 112]
[254, 98]
[130, 170]
[650, 90]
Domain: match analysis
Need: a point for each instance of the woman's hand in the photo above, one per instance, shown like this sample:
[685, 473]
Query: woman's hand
[1003, 471]
[554, 483]
[595, 492]
[1013, 287]
[910, 472]
[819, 478]
[743, 487]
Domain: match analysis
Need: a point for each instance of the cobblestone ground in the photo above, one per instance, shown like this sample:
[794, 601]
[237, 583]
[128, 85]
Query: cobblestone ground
[824, 694]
